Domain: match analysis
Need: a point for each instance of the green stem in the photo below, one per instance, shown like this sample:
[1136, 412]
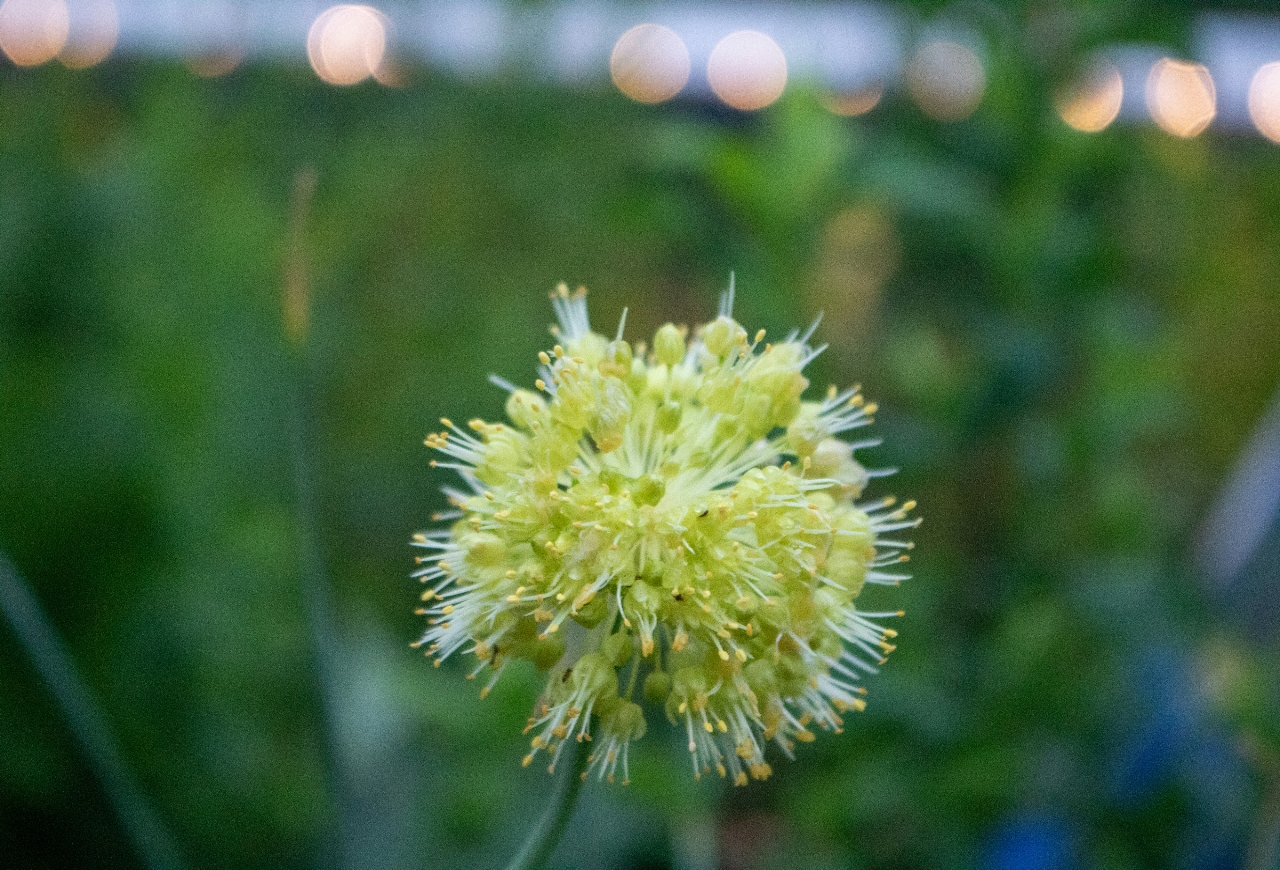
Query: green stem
[544, 836]
[317, 591]
[49, 657]
[635, 672]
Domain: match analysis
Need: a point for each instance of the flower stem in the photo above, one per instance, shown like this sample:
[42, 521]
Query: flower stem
[544, 836]
[85, 720]
[317, 591]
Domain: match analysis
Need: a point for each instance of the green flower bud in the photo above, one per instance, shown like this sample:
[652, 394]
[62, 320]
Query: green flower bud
[525, 408]
[649, 490]
[594, 676]
[617, 648]
[617, 360]
[484, 550]
[722, 335]
[667, 417]
[657, 686]
[590, 614]
[668, 345]
[545, 653]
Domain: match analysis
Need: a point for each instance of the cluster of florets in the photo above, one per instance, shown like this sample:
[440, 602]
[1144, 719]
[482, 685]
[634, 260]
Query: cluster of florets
[675, 525]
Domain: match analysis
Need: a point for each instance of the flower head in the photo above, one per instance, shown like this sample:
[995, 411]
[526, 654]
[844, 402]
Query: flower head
[678, 526]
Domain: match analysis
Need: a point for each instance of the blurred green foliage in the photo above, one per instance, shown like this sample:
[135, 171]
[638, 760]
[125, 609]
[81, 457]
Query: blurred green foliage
[1070, 337]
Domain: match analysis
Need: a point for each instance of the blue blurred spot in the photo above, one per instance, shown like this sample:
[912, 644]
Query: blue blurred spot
[1030, 843]
[1162, 691]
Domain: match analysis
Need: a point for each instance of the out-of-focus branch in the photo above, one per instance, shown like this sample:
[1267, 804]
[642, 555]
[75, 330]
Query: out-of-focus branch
[1246, 507]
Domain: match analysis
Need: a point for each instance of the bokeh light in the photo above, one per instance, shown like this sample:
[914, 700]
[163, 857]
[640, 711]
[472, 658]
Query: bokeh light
[650, 63]
[33, 31]
[94, 29]
[346, 43]
[850, 104]
[1264, 100]
[946, 79]
[859, 251]
[212, 64]
[747, 70]
[1092, 102]
[1181, 97]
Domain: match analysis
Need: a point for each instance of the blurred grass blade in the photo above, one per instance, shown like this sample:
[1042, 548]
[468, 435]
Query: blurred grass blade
[317, 594]
[50, 659]
[545, 834]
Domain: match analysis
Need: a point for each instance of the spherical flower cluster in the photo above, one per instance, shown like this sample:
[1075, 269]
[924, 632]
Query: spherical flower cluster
[676, 525]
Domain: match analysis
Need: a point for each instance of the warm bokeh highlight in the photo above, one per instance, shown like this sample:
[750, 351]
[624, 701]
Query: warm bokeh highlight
[850, 104]
[1181, 97]
[747, 70]
[346, 43]
[1092, 102]
[650, 63]
[1264, 100]
[32, 32]
[946, 79]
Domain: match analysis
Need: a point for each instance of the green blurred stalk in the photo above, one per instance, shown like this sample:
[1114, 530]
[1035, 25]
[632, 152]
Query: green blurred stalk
[85, 720]
[1264, 840]
[316, 590]
[546, 833]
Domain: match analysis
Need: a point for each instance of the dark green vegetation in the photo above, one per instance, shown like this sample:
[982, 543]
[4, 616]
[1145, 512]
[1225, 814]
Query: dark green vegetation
[1070, 337]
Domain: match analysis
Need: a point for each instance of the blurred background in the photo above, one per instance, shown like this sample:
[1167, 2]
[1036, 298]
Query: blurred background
[250, 252]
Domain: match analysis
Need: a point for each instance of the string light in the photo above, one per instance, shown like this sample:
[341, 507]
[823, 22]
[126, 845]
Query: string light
[1264, 100]
[650, 63]
[1093, 101]
[946, 80]
[92, 34]
[346, 44]
[747, 70]
[33, 31]
[1181, 97]
[850, 104]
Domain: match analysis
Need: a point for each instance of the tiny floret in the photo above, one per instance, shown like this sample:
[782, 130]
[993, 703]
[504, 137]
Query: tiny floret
[675, 533]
